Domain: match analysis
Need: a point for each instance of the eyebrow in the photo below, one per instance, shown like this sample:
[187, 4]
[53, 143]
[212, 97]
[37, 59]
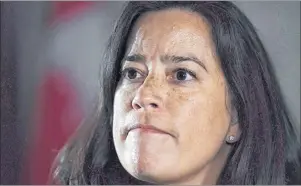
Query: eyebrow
[179, 59]
[135, 58]
[173, 58]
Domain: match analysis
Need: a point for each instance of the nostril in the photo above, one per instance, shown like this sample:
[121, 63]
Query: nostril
[137, 106]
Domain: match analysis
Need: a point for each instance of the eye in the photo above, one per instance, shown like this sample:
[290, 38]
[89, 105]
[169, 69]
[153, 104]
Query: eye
[184, 75]
[131, 74]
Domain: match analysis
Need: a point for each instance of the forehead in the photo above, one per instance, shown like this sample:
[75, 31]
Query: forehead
[178, 18]
[170, 31]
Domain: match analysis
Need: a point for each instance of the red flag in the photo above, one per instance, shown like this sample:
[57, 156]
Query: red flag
[58, 114]
[58, 110]
[66, 10]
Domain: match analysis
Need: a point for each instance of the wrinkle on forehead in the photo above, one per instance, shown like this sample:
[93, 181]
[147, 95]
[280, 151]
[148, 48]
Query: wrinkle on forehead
[184, 28]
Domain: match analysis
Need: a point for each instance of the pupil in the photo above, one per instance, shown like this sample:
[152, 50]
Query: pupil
[181, 75]
[132, 74]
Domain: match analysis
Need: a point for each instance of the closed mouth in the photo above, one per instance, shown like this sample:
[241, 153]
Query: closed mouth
[147, 129]
[151, 130]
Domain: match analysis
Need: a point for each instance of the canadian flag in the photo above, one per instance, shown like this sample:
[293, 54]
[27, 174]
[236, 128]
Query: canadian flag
[65, 85]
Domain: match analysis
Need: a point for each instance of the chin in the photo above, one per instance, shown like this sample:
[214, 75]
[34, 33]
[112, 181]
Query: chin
[154, 177]
[151, 170]
[151, 158]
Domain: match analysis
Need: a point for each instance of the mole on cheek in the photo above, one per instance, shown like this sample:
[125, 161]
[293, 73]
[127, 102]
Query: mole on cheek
[183, 97]
[180, 96]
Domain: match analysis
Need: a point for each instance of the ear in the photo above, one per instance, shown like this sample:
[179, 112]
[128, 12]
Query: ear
[233, 134]
[234, 131]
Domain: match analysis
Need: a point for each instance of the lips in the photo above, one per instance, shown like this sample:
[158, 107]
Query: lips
[147, 128]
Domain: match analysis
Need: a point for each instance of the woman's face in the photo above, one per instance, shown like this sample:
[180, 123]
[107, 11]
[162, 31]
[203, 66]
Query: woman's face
[171, 118]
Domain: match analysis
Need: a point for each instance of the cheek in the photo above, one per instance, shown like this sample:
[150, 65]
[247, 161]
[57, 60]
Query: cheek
[201, 112]
[122, 104]
[122, 100]
[202, 121]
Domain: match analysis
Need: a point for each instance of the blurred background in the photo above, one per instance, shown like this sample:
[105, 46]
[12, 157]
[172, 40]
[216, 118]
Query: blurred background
[50, 56]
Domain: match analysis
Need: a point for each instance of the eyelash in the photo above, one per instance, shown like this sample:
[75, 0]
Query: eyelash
[193, 74]
[124, 72]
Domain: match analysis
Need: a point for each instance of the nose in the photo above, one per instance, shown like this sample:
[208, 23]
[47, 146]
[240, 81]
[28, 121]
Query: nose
[149, 97]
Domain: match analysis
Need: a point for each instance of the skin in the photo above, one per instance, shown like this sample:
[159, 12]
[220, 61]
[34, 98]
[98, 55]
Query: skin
[193, 111]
